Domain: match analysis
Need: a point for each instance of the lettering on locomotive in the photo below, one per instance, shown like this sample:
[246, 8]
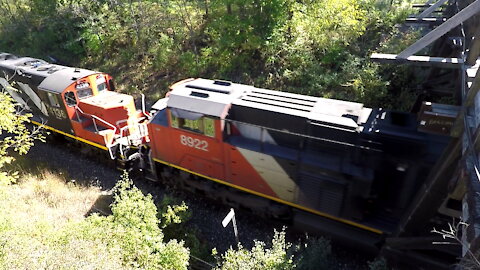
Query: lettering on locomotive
[194, 143]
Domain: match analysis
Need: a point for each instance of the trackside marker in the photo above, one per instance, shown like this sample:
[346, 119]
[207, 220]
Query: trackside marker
[231, 216]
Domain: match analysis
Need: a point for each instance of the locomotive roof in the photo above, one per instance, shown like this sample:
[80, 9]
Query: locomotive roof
[56, 77]
[58, 81]
[316, 109]
[205, 96]
[213, 97]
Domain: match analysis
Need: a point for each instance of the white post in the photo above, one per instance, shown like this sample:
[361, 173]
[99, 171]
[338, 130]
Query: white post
[235, 228]
[231, 216]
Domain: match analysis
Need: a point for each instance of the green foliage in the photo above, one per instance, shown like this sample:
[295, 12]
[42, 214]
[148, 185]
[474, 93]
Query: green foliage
[31, 224]
[173, 214]
[237, 32]
[14, 135]
[134, 227]
[130, 238]
[173, 217]
[315, 47]
[39, 28]
[378, 264]
[259, 257]
[315, 254]
[328, 23]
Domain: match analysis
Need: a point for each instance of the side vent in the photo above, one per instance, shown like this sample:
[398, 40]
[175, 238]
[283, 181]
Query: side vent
[321, 193]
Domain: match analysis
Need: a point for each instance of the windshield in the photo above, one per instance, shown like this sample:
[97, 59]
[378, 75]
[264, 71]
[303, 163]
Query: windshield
[101, 87]
[84, 93]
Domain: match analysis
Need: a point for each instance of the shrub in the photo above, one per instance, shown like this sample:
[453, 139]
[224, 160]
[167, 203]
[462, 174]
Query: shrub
[259, 257]
[315, 254]
[129, 238]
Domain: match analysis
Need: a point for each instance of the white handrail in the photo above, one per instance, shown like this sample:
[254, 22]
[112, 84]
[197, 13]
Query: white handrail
[105, 122]
[94, 117]
[121, 136]
[78, 108]
[122, 129]
[143, 108]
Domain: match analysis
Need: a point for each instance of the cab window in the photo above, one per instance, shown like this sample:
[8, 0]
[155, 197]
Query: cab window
[203, 125]
[111, 85]
[53, 99]
[84, 93]
[208, 127]
[101, 83]
[70, 99]
[101, 87]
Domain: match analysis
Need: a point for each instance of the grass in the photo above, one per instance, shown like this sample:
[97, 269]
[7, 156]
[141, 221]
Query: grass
[46, 224]
[47, 197]
[38, 216]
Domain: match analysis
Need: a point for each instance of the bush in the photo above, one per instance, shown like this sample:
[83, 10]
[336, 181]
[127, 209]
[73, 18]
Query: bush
[259, 257]
[378, 264]
[129, 238]
[174, 216]
[315, 254]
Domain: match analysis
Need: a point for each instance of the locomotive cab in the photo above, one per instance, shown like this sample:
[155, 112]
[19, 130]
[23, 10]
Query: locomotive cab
[188, 128]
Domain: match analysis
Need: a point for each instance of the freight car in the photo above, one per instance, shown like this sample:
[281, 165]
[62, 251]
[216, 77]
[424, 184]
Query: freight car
[330, 165]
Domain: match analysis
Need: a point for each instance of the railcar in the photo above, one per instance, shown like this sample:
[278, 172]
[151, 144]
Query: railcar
[357, 168]
[75, 102]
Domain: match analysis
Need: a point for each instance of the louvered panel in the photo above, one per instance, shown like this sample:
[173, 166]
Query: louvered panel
[321, 193]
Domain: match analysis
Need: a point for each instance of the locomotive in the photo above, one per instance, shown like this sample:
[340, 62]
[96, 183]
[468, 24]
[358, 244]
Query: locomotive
[77, 103]
[328, 165]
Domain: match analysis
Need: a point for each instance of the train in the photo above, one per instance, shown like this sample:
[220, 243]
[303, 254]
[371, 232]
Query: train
[328, 165]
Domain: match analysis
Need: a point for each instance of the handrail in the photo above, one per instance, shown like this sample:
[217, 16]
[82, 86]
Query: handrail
[94, 117]
[122, 129]
[105, 122]
[77, 108]
[121, 136]
[143, 108]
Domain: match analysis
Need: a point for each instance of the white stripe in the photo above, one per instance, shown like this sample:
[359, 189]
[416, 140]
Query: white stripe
[269, 169]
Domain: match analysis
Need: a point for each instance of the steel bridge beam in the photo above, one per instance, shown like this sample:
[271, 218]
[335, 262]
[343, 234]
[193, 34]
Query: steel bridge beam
[431, 9]
[426, 61]
[441, 30]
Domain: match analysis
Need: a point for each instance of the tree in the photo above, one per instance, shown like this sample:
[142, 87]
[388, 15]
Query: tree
[14, 135]
[135, 229]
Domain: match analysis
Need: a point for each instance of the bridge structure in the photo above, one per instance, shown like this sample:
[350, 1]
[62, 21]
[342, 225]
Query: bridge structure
[444, 218]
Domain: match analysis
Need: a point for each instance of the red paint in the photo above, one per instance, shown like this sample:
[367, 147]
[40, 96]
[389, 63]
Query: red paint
[108, 109]
[220, 160]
